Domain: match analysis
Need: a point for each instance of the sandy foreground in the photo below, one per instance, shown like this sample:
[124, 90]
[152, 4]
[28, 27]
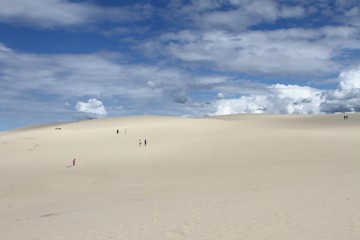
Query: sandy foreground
[262, 177]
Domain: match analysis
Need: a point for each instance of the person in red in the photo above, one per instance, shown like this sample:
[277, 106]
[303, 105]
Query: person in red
[74, 162]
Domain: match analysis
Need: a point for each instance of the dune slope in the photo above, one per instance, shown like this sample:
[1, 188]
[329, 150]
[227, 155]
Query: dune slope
[229, 177]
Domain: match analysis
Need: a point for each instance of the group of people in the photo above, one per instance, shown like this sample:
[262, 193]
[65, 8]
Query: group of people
[117, 132]
[346, 117]
[140, 142]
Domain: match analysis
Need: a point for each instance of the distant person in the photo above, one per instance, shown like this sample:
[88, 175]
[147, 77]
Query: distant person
[74, 162]
[145, 142]
[117, 131]
[139, 142]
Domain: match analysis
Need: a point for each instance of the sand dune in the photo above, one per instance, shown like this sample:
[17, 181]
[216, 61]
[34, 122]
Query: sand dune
[230, 177]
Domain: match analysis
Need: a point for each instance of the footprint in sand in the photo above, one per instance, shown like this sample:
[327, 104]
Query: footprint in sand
[53, 214]
[34, 147]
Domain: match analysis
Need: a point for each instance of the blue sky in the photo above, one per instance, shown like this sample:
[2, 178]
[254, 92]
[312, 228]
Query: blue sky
[63, 60]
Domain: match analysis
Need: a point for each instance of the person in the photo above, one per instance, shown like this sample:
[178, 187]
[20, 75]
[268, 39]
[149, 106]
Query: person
[117, 131]
[145, 142]
[139, 142]
[74, 162]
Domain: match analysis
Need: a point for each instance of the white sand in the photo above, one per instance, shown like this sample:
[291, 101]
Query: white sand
[233, 177]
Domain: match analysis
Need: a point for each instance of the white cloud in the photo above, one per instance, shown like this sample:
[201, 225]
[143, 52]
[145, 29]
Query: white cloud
[288, 12]
[220, 96]
[64, 13]
[352, 16]
[349, 80]
[279, 52]
[293, 99]
[64, 78]
[284, 99]
[93, 107]
[78, 75]
[240, 14]
[347, 95]
[219, 36]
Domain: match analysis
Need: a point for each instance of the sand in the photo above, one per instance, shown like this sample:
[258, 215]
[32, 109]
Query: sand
[262, 177]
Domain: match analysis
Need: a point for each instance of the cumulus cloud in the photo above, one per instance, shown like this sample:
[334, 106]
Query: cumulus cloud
[92, 107]
[294, 99]
[283, 99]
[220, 96]
[346, 97]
